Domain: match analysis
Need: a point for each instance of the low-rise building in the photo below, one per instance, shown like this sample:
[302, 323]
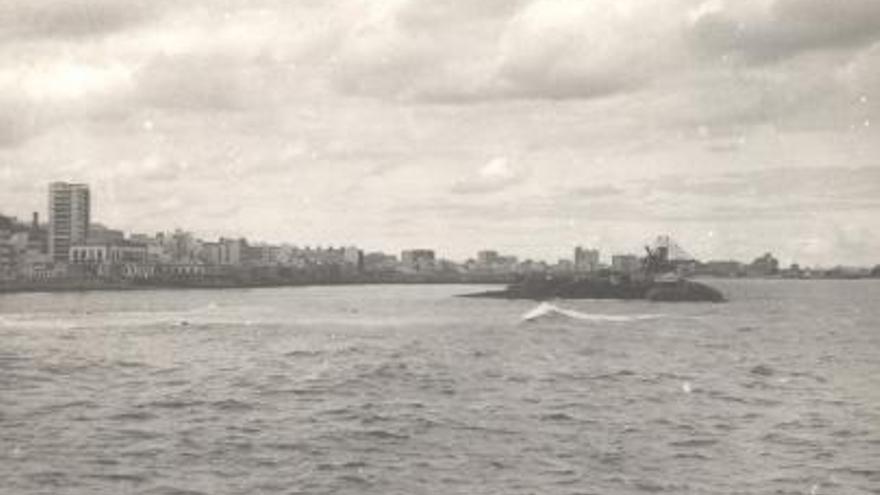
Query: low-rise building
[7, 256]
[231, 251]
[155, 250]
[564, 266]
[586, 260]
[101, 234]
[117, 252]
[625, 263]
[721, 268]
[418, 260]
[763, 266]
[182, 270]
[487, 258]
[123, 259]
[380, 262]
[210, 253]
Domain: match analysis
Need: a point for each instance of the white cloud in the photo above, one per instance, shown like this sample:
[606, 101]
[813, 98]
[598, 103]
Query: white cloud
[762, 30]
[275, 103]
[565, 49]
[496, 175]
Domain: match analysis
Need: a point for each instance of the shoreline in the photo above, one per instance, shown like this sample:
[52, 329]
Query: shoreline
[123, 286]
[83, 286]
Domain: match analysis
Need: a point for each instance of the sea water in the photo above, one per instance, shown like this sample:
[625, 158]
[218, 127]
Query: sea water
[410, 390]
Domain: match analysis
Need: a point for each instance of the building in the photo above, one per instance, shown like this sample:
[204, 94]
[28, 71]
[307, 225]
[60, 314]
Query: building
[625, 263]
[764, 266]
[492, 262]
[586, 260]
[178, 247]
[123, 259]
[117, 252]
[487, 258]
[7, 255]
[722, 268]
[36, 265]
[418, 260]
[37, 236]
[184, 271]
[563, 266]
[265, 255]
[380, 262]
[231, 251]
[353, 259]
[531, 266]
[100, 234]
[210, 253]
[155, 249]
[69, 216]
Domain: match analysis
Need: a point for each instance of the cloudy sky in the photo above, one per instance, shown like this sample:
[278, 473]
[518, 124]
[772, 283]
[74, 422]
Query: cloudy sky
[737, 126]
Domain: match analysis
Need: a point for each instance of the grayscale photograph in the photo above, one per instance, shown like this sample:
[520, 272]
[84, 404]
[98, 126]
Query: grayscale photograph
[439, 247]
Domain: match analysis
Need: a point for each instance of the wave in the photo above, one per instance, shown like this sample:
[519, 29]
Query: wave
[546, 310]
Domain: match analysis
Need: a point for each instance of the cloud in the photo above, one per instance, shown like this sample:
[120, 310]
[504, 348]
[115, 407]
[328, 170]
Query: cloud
[16, 124]
[767, 30]
[42, 95]
[195, 83]
[409, 50]
[489, 50]
[496, 175]
[376, 105]
[770, 194]
[558, 49]
[599, 191]
[72, 19]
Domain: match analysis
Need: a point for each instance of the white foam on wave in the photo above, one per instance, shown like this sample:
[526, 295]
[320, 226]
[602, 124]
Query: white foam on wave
[546, 309]
[24, 321]
[207, 308]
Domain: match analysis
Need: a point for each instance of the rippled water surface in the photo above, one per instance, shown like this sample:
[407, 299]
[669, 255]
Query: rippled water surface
[408, 390]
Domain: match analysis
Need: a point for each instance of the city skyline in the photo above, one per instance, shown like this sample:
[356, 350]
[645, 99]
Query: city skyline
[528, 127]
[70, 204]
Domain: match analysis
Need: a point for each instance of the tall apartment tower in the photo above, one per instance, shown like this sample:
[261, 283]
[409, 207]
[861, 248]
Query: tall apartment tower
[69, 212]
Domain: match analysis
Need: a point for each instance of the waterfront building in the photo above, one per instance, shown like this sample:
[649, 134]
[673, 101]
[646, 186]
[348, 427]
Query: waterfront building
[625, 263]
[265, 255]
[721, 268]
[23, 250]
[492, 262]
[100, 234]
[487, 258]
[380, 262]
[178, 247]
[564, 266]
[183, 271]
[231, 251]
[763, 266]
[125, 259]
[37, 235]
[532, 266]
[36, 265]
[69, 216]
[586, 260]
[418, 260]
[7, 255]
[117, 252]
[155, 250]
[210, 253]
[353, 259]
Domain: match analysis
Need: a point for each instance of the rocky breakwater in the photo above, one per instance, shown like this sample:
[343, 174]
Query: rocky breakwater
[666, 289]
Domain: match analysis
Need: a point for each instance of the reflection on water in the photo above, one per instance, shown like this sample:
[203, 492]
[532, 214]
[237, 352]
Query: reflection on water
[409, 390]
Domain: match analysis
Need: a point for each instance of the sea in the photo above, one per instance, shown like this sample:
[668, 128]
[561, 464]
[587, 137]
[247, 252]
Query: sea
[408, 389]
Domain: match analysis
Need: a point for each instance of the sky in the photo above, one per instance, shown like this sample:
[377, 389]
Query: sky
[528, 126]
